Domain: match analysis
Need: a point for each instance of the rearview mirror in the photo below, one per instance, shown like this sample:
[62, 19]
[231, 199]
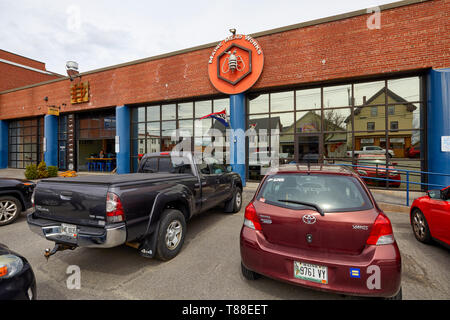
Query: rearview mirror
[229, 168]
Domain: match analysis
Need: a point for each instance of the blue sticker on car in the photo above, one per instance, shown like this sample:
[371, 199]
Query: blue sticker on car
[355, 273]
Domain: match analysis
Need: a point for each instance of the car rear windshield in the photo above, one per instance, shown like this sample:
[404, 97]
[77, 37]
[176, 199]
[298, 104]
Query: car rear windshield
[331, 192]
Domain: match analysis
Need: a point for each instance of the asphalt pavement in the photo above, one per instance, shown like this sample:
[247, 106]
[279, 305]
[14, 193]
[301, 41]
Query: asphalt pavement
[208, 267]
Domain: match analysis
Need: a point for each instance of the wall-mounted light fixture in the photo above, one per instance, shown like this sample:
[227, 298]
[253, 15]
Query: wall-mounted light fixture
[72, 69]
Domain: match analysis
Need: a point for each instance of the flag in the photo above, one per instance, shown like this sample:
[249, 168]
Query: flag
[219, 116]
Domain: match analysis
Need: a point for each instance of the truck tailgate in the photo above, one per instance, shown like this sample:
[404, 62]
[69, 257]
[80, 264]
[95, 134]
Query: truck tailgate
[76, 203]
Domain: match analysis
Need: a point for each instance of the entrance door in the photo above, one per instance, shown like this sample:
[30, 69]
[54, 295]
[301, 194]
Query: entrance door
[308, 148]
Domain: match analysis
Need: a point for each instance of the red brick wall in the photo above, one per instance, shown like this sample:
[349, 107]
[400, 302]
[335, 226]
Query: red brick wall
[411, 37]
[15, 77]
[22, 60]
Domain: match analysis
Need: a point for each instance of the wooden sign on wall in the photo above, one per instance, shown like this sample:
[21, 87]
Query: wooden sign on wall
[53, 111]
[79, 93]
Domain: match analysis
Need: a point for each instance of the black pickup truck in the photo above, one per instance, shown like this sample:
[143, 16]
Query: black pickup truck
[147, 210]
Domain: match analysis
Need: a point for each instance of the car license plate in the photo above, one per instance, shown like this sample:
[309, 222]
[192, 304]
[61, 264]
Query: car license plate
[69, 230]
[311, 272]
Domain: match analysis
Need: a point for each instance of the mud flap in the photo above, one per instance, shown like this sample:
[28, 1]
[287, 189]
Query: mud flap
[147, 248]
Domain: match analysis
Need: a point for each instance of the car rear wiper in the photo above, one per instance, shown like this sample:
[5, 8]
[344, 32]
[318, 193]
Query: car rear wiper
[308, 204]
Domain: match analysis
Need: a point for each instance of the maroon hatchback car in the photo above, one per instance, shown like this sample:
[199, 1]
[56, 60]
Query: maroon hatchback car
[320, 227]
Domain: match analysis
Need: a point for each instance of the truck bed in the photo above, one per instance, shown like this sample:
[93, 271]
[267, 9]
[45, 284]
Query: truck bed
[123, 178]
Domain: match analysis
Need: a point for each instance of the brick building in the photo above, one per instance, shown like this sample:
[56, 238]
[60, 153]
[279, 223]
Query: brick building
[18, 71]
[329, 68]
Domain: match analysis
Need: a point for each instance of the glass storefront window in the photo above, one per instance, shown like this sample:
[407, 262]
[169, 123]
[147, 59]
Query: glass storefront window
[186, 126]
[337, 119]
[284, 122]
[308, 121]
[153, 113]
[308, 99]
[260, 104]
[168, 112]
[337, 96]
[186, 110]
[369, 90]
[222, 104]
[282, 101]
[203, 108]
[336, 145]
[153, 129]
[405, 90]
[370, 116]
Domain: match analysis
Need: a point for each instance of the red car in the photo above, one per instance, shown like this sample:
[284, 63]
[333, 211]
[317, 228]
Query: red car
[320, 227]
[430, 217]
[380, 172]
[413, 152]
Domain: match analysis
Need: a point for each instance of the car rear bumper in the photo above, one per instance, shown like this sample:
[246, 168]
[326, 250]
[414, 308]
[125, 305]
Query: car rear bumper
[277, 262]
[90, 237]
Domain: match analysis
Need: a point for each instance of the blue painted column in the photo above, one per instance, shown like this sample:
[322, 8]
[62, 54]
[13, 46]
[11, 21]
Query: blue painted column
[123, 132]
[51, 140]
[3, 144]
[237, 136]
[438, 115]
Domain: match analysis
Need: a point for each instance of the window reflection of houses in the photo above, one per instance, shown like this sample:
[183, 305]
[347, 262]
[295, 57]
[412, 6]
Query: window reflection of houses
[370, 122]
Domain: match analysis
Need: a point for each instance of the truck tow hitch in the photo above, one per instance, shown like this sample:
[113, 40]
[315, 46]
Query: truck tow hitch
[58, 247]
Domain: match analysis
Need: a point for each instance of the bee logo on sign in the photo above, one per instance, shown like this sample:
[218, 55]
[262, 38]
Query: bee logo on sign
[235, 64]
[79, 93]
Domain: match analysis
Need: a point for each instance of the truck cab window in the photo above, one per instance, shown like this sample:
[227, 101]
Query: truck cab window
[150, 165]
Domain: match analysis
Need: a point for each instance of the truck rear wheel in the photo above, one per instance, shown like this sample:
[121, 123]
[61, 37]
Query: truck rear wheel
[171, 234]
[235, 203]
[10, 209]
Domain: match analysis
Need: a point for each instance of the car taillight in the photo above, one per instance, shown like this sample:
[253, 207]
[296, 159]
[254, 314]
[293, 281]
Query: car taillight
[381, 232]
[250, 218]
[114, 209]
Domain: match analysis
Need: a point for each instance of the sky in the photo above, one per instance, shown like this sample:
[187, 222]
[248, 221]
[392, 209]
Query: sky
[101, 33]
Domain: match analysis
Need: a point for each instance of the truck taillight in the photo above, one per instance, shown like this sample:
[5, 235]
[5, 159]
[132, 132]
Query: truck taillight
[250, 218]
[381, 232]
[114, 209]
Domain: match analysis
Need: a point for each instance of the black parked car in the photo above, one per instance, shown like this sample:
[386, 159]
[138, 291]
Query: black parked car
[17, 281]
[15, 197]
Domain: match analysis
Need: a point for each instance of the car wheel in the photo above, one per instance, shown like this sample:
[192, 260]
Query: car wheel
[398, 296]
[171, 234]
[10, 209]
[420, 226]
[248, 274]
[235, 203]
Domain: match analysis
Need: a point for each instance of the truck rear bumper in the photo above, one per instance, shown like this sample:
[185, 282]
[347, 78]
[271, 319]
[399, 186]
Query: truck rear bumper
[89, 237]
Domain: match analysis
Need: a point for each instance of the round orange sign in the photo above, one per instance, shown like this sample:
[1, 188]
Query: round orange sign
[235, 64]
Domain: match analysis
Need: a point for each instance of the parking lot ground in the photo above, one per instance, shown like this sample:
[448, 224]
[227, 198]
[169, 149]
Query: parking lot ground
[208, 267]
